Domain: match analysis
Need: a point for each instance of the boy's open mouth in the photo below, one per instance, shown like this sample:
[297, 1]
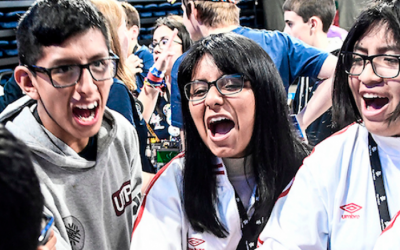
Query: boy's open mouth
[85, 112]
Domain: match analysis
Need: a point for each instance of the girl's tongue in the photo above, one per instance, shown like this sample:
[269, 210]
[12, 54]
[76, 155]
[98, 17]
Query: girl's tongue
[222, 127]
[375, 103]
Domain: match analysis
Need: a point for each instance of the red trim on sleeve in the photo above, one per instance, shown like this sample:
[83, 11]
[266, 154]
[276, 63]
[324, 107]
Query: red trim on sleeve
[391, 223]
[285, 192]
[159, 173]
[260, 242]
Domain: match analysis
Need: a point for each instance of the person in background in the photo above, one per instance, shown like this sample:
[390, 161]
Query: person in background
[349, 10]
[21, 209]
[239, 155]
[273, 14]
[86, 156]
[292, 57]
[141, 51]
[121, 97]
[347, 191]
[158, 114]
[310, 21]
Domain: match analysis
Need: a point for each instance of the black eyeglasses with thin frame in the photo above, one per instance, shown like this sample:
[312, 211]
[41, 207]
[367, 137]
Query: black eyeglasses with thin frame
[383, 65]
[161, 44]
[226, 85]
[69, 75]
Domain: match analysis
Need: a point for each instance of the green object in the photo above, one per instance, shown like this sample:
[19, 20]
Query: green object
[165, 155]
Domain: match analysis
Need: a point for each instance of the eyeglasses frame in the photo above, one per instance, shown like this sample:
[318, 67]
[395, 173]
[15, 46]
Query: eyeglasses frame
[34, 69]
[153, 47]
[370, 58]
[210, 84]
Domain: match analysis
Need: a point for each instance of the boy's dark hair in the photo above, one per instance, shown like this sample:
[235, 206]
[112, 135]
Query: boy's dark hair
[21, 200]
[132, 15]
[384, 14]
[276, 151]
[51, 22]
[324, 9]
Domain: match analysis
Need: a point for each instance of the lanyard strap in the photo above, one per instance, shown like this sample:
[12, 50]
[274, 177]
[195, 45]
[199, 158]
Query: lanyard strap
[250, 228]
[377, 176]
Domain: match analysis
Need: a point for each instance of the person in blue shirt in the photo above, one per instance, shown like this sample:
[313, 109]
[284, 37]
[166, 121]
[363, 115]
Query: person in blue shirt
[141, 51]
[291, 56]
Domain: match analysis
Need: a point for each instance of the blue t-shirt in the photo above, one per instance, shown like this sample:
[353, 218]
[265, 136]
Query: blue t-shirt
[143, 53]
[291, 56]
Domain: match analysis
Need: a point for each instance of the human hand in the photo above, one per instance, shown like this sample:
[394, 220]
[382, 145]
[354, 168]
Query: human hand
[135, 64]
[51, 243]
[164, 59]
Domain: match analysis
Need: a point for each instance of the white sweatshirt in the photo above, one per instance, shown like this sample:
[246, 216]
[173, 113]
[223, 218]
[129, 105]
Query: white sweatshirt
[331, 202]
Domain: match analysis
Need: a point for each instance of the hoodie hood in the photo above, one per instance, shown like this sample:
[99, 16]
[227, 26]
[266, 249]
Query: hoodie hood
[44, 144]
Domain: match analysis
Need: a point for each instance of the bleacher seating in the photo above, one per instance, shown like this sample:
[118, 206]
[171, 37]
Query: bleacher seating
[149, 11]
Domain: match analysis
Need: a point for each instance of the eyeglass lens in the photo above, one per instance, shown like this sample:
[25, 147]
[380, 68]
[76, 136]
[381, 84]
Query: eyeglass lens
[383, 65]
[227, 85]
[161, 44]
[100, 70]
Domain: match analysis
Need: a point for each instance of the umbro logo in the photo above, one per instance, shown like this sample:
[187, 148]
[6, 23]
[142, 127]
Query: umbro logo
[351, 208]
[194, 243]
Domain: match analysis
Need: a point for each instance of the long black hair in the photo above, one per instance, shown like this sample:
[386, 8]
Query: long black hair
[383, 13]
[276, 151]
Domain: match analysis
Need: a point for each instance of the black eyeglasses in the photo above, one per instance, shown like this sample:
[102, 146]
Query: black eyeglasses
[161, 44]
[69, 75]
[384, 66]
[226, 85]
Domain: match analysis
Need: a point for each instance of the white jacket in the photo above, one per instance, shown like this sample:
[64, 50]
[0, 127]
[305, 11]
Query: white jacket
[162, 223]
[389, 239]
[331, 202]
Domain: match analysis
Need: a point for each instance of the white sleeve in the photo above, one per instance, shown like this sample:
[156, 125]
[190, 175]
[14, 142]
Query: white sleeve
[389, 239]
[160, 220]
[299, 219]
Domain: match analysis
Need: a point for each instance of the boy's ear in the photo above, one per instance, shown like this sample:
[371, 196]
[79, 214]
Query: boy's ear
[315, 24]
[24, 77]
[193, 10]
[134, 31]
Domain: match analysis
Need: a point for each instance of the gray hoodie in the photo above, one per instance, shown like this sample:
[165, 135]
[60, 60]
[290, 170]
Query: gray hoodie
[93, 202]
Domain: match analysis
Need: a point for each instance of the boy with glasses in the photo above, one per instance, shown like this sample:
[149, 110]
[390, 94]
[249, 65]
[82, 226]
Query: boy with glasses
[86, 156]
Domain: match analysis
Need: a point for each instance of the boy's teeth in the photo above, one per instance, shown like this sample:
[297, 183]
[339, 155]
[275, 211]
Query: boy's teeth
[89, 106]
[87, 118]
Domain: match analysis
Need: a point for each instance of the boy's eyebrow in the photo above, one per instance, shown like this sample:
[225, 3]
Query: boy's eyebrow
[69, 61]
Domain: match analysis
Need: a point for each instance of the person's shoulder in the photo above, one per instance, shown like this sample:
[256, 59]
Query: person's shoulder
[178, 62]
[143, 50]
[118, 122]
[333, 148]
[144, 53]
[118, 84]
[171, 175]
